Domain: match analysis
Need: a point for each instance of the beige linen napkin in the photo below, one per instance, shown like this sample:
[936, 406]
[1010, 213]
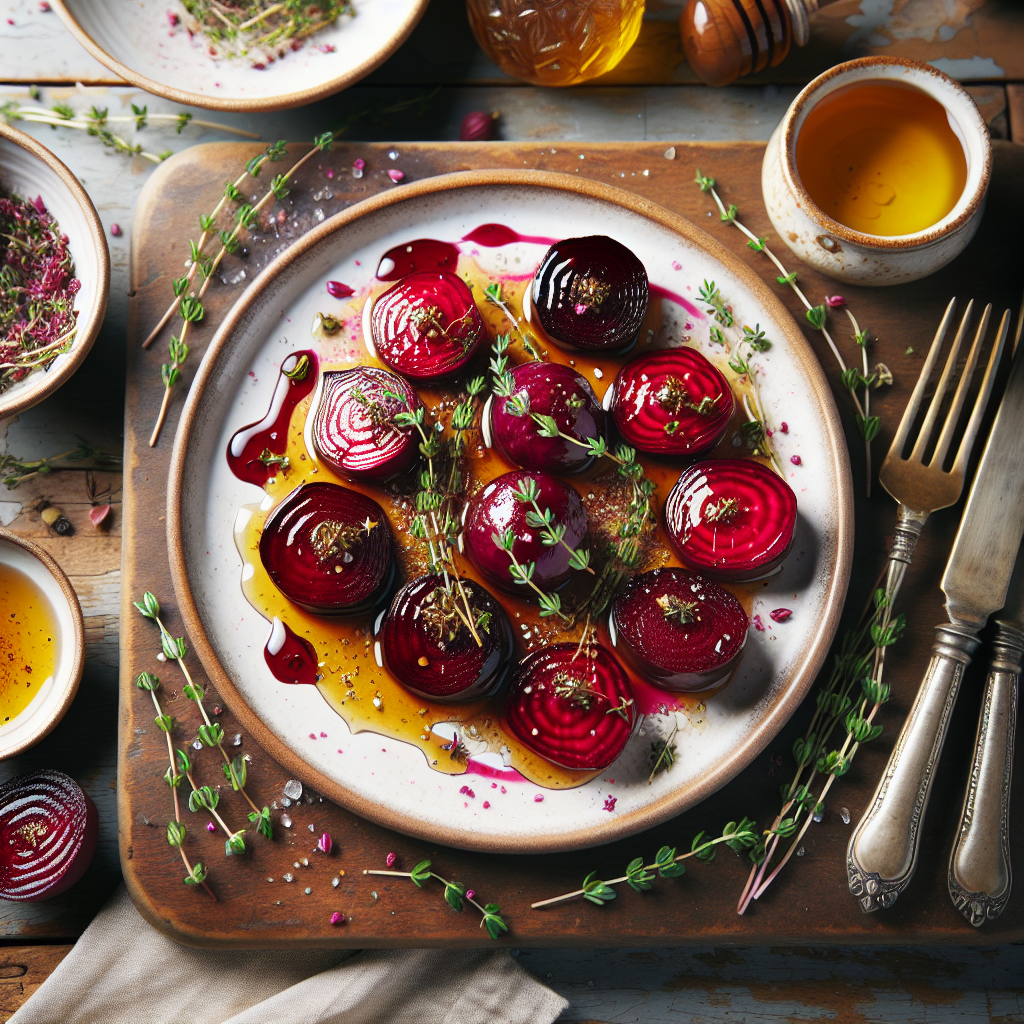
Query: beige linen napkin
[123, 971]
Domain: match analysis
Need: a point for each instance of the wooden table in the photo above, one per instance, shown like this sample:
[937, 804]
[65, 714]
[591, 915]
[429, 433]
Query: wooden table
[645, 98]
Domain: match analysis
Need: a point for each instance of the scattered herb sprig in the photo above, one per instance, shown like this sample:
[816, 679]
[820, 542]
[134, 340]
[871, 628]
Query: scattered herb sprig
[817, 316]
[176, 830]
[667, 863]
[211, 734]
[15, 471]
[454, 894]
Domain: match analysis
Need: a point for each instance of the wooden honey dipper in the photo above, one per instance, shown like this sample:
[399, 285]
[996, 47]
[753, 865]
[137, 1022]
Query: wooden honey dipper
[727, 39]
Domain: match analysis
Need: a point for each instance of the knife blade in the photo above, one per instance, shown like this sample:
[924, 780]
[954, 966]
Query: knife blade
[883, 850]
[980, 876]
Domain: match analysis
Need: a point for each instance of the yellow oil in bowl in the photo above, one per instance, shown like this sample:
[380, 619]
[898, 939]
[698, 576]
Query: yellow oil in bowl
[28, 641]
[881, 158]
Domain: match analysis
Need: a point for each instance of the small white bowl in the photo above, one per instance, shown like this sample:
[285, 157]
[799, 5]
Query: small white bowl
[54, 697]
[134, 38]
[853, 256]
[29, 169]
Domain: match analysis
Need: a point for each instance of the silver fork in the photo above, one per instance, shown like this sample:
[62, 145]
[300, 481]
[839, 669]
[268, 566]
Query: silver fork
[921, 488]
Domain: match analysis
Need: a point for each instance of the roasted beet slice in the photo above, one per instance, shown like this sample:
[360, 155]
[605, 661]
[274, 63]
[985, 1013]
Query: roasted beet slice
[679, 630]
[428, 648]
[553, 391]
[329, 549]
[590, 293]
[353, 427]
[498, 515]
[731, 519]
[573, 707]
[48, 832]
[427, 326]
[672, 402]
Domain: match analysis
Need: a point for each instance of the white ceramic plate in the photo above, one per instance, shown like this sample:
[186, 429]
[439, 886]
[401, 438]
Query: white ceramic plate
[136, 40]
[391, 782]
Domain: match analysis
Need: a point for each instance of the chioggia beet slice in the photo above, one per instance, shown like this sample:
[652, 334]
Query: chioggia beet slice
[430, 650]
[573, 706]
[48, 831]
[499, 517]
[427, 326]
[353, 428]
[329, 549]
[548, 390]
[672, 402]
[590, 293]
[731, 519]
[678, 630]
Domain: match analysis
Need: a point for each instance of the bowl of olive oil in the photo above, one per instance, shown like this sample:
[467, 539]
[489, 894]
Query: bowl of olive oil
[42, 644]
[878, 172]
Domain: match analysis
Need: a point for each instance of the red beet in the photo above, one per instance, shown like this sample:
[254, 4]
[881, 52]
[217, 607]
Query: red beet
[547, 389]
[590, 293]
[672, 402]
[48, 831]
[731, 519]
[678, 630]
[573, 707]
[427, 326]
[353, 426]
[429, 650]
[497, 512]
[329, 549]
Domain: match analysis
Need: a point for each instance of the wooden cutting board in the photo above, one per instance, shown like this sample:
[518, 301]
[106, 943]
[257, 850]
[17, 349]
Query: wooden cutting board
[809, 904]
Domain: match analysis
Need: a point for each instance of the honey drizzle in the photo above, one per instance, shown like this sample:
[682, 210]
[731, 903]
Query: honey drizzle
[352, 683]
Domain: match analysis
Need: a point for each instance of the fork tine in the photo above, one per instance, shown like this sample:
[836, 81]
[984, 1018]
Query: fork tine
[953, 416]
[910, 413]
[973, 425]
[941, 386]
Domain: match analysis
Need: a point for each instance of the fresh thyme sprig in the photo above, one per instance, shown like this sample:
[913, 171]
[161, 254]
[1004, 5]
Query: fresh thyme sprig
[663, 754]
[494, 294]
[211, 734]
[817, 317]
[454, 894]
[667, 863]
[850, 699]
[522, 574]
[176, 830]
[552, 533]
[96, 120]
[15, 471]
[206, 798]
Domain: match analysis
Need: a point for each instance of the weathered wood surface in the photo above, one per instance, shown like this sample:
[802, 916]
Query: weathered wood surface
[974, 40]
[22, 970]
[809, 904]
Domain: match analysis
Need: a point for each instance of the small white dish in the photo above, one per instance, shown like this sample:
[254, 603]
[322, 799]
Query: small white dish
[54, 697]
[136, 40]
[29, 169]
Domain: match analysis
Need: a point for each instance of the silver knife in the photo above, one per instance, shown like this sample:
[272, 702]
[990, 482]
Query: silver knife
[979, 867]
[882, 854]
[980, 874]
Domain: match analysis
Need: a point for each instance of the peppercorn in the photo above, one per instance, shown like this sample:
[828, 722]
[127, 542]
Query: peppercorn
[64, 527]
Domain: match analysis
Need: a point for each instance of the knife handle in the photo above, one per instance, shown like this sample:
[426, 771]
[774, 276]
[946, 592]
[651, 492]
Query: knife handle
[979, 867]
[882, 854]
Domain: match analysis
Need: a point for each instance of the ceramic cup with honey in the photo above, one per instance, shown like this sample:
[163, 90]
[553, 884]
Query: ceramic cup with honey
[878, 172]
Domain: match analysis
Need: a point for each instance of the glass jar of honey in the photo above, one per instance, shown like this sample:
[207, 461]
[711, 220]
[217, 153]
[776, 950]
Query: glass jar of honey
[555, 42]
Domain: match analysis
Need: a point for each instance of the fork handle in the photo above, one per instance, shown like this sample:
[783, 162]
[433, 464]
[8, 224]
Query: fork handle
[979, 867]
[882, 854]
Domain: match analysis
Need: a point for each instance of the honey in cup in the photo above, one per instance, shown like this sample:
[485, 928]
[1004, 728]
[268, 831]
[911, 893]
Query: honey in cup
[28, 642]
[882, 158]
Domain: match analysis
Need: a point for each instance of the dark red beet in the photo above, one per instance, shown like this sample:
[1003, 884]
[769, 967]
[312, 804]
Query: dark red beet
[590, 293]
[547, 389]
[672, 402]
[353, 428]
[426, 326]
[731, 519]
[329, 549]
[573, 707]
[497, 510]
[429, 650]
[48, 831]
[679, 630]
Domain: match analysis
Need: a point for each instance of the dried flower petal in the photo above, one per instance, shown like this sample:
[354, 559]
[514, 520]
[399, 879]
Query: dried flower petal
[325, 843]
[780, 614]
[396, 175]
[337, 918]
[390, 860]
[835, 301]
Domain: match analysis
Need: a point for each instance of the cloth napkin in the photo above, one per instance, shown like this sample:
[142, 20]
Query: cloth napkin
[123, 971]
